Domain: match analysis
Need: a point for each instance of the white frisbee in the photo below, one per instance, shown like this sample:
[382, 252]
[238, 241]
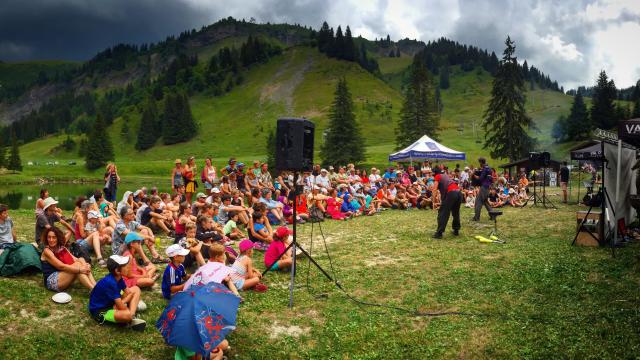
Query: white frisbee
[61, 298]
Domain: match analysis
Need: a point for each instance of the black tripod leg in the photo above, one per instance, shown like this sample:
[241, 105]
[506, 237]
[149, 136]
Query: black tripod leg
[580, 226]
[317, 265]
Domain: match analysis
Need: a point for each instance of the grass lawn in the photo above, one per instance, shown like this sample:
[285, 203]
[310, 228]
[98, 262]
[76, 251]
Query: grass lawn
[533, 297]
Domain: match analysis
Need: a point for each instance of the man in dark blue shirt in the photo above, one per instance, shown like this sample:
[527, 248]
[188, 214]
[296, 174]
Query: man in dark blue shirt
[112, 301]
[485, 183]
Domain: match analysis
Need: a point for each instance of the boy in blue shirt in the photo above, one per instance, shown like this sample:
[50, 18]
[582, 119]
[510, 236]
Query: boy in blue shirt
[111, 300]
[174, 275]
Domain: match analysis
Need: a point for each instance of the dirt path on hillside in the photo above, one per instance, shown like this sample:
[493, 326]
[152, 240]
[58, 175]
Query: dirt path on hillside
[281, 90]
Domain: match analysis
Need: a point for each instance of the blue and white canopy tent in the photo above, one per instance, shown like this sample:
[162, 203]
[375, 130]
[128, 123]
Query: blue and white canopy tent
[426, 149]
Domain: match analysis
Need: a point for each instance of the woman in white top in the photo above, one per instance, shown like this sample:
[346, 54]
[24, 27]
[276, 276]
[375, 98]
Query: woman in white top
[209, 174]
[375, 176]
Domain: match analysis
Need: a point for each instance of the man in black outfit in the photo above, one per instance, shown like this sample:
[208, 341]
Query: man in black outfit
[484, 180]
[451, 200]
[564, 180]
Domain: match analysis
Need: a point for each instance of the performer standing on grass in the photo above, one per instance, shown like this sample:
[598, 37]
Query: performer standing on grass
[485, 181]
[451, 200]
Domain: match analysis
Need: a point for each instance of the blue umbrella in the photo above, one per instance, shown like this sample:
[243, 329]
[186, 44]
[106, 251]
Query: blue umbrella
[199, 318]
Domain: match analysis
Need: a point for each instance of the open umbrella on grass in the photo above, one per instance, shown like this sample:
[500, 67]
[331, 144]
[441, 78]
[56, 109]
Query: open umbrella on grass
[199, 319]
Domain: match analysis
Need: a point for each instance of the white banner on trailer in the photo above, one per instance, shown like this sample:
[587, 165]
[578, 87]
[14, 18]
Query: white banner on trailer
[624, 183]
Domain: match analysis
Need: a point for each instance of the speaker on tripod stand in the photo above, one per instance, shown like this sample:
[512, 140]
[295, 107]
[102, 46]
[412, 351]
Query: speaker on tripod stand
[294, 152]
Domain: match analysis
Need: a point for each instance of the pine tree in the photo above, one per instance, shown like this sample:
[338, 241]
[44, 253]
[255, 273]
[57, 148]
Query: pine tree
[419, 114]
[444, 77]
[14, 162]
[506, 121]
[350, 53]
[148, 131]
[343, 142]
[602, 107]
[339, 45]
[99, 148]
[178, 123]
[578, 125]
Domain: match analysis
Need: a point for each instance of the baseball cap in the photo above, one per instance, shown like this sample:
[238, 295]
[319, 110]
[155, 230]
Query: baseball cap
[215, 190]
[240, 164]
[48, 202]
[201, 195]
[137, 192]
[131, 237]
[115, 261]
[283, 231]
[93, 214]
[176, 249]
[245, 245]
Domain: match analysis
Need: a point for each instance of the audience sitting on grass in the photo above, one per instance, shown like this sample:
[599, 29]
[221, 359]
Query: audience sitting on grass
[248, 205]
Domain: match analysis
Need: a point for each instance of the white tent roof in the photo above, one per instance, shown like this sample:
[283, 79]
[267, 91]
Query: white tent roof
[426, 148]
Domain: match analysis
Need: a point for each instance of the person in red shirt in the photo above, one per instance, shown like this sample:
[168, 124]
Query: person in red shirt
[451, 200]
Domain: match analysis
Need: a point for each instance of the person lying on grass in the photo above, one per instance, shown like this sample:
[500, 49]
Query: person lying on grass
[278, 247]
[174, 275]
[244, 275]
[59, 267]
[112, 301]
[134, 275]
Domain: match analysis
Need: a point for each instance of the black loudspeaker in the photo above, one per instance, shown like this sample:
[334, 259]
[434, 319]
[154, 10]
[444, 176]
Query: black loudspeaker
[545, 159]
[294, 144]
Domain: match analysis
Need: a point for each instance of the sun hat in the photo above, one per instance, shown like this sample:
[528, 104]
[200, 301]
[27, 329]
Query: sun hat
[115, 261]
[323, 170]
[283, 232]
[245, 245]
[137, 192]
[93, 214]
[48, 202]
[178, 161]
[131, 237]
[176, 249]
[201, 195]
[331, 167]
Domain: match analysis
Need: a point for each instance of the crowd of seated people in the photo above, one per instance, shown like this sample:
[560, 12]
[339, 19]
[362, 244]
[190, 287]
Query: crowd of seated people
[240, 210]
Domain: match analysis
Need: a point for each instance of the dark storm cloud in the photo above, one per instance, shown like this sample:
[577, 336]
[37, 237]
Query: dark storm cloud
[78, 29]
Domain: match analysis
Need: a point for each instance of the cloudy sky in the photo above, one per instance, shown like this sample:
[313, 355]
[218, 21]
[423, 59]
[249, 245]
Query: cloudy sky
[571, 40]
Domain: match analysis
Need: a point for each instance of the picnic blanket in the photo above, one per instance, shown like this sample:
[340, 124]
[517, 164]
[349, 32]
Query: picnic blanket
[17, 258]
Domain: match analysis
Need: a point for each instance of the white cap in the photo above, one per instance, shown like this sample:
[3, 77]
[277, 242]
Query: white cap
[93, 214]
[215, 190]
[120, 260]
[48, 202]
[176, 249]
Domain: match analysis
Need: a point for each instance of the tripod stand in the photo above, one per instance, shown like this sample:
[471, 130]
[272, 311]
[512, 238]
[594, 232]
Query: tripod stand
[295, 245]
[541, 199]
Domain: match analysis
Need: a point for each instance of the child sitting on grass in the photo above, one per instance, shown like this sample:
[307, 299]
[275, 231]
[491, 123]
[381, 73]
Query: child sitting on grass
[231, 229]
[244, 276]
[134, 275]
[112, 301]
[278, 247]
[213, 271]
[174, 275]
